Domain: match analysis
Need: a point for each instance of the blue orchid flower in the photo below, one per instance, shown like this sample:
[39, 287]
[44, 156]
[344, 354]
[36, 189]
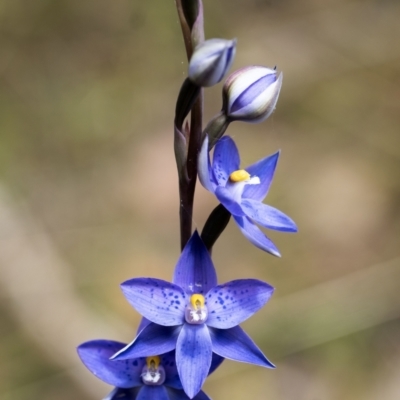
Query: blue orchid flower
[241, 191]
[195, 316]
[144, 378]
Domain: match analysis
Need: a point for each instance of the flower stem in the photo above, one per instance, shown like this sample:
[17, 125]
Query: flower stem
[185, 28]
[215, 225]
[193, 34]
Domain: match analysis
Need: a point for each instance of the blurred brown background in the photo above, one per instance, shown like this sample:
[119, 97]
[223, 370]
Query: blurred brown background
[88, 193]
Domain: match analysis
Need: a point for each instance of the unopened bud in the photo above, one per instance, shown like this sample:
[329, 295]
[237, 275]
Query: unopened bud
[250, 94]
[211, 61]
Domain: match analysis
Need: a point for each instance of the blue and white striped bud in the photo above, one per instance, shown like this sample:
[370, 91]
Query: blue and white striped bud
[250, 93]
[211, 61]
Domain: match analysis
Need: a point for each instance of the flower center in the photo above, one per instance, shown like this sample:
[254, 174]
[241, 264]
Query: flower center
[196, 311]
[239, 176]
[237, 182]
[153, 373]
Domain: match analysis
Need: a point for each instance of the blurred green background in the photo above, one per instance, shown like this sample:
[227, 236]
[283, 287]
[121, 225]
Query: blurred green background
[88, 191]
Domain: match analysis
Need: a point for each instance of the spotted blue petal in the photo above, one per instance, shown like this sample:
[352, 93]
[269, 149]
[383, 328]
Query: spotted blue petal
[96, 355]
[152, 340]
[157, 300]
[226, 159]
[194, 354]
[195, 272]
[232, 303]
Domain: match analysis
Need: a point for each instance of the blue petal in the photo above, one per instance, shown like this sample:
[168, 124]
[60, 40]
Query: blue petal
[123, 394]
[195, 271]
[235, 344]
[226, 198]
[172, 380]
[252, 92]
[143, 323]
[226, 159]
[168, 361]
[255, 236]
[206, 175]
[193, 357]
[96, 357]
[232, 303]
[152, 393]
[267, 216]
[152, 340]
[265, 170]
[157, 300]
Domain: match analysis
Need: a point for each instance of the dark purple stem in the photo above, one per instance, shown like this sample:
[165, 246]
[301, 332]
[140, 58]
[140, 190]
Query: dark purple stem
[187, 182]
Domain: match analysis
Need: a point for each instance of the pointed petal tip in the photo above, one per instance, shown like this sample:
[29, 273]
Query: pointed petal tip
[234, 344]
[270, 287]
[268, 364]
[196, 236]
[194, 240]
[126, 283]
[295, 228]
[275, 156]
[289, 227]
[275, 253]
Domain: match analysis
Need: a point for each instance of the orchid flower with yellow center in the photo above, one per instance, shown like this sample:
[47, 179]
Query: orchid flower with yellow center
[195, 316]
[143, 378]
[241, 191]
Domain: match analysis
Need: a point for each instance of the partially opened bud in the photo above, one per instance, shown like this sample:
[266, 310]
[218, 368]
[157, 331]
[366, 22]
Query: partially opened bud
[211, 60]
[250, 94]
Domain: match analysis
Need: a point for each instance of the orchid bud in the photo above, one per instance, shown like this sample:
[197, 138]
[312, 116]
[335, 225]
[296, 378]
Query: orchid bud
[211, 60]
[250, 94]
